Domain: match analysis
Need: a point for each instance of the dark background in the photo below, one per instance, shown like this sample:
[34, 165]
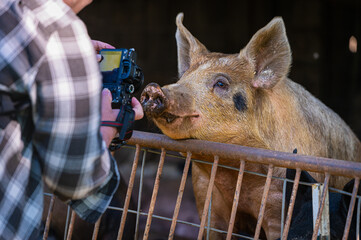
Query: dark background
[318, 32]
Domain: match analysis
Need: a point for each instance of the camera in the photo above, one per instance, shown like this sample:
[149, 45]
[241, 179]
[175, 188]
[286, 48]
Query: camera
[121, 75]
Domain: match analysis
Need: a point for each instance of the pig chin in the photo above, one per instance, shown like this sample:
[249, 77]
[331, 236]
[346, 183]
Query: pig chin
[178, 127]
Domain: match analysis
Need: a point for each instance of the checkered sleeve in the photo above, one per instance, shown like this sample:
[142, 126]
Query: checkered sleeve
[76, 163]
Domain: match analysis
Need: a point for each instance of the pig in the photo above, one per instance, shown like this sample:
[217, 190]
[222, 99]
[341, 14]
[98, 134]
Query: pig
[247, 99]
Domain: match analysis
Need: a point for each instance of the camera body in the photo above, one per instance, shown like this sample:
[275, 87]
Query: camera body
[121, 75]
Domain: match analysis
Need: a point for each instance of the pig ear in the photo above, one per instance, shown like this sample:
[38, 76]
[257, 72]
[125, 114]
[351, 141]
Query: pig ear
[270, 53]
[187, 45]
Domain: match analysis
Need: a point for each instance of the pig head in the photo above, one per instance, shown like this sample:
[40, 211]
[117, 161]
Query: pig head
[216, 96]
[246, 99]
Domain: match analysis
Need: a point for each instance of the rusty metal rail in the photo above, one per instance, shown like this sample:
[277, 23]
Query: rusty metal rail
[235, 152]
[240, 154]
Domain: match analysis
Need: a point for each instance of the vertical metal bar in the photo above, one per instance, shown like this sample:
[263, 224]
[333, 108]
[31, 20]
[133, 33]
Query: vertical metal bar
[291, 204]
[129, 192]
[325, 219]
[264, 201]
[67, 222]
[96, 229]
[180, 196]
[284, 189]
[320, 210]
[358, 220]
[209, 219]
[316, 200]
[48, 218]
[154, 195]
[71, 226]
[350, 209]
[235, 200]
[140, 195]
[324, 231]
[208, 197]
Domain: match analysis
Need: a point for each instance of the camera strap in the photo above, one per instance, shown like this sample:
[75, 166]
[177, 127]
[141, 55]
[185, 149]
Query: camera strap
[124, 124]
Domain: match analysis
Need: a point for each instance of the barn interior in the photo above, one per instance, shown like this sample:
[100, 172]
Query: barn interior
[326, 60]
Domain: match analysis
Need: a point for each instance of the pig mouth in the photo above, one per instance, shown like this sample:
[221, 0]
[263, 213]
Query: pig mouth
[170, 118]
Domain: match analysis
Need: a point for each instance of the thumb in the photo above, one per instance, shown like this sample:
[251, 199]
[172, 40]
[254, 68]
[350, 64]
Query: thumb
[137, 108]
[106, 97]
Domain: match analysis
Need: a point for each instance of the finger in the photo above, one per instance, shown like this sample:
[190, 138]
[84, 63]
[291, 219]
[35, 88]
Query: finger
[106, 97]
[137, 107]
[99, 58]
[98, 45]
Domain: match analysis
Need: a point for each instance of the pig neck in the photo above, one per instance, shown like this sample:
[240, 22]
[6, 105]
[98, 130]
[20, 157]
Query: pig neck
[289, 117]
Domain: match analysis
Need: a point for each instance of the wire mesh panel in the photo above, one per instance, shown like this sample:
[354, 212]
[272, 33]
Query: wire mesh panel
[159, 202]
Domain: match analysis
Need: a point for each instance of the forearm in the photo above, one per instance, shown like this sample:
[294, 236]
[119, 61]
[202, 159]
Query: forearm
[108, 134]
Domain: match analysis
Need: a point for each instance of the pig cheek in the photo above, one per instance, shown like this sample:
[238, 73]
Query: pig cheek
[178, 129]
[220, 115]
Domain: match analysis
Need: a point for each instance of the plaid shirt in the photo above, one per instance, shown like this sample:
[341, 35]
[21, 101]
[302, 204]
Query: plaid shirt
[46, 54]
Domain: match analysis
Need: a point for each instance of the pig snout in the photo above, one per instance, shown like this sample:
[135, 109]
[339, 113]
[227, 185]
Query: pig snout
[153, 100]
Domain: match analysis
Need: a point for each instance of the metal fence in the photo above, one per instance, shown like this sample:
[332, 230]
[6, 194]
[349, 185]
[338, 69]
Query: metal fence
[149, 142]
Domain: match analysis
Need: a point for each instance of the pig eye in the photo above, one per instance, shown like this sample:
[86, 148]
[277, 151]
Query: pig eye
[220, 84]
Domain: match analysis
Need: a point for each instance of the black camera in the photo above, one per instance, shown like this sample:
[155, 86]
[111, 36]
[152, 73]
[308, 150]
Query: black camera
[121, 75]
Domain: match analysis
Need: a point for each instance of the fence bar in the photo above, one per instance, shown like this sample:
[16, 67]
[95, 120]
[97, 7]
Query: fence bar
[48, 218]
[129, 192]
[140, 194]
[235, 200]
[283, 206]
[208, 197]
[67, 222]
[262, 156]
[264, 201]
[209, 216]
[71, 226]
[180, 195]
[350, 209]
[358, 220]
[154, 195]
[322, 204]
[291, 204]
[96, 229]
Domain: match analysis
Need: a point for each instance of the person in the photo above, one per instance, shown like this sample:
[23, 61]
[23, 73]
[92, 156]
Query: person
[47, 58]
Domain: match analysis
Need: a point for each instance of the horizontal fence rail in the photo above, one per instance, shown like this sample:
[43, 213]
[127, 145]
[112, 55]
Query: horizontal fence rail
[145, 142]
[256, 155]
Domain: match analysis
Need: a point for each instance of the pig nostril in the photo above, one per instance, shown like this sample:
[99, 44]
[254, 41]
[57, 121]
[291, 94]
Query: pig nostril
[159, 101]
[146, 98]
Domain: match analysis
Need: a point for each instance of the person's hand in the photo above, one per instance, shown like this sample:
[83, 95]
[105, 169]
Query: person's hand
[77, 5]
[98, 45]
[108, 114]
